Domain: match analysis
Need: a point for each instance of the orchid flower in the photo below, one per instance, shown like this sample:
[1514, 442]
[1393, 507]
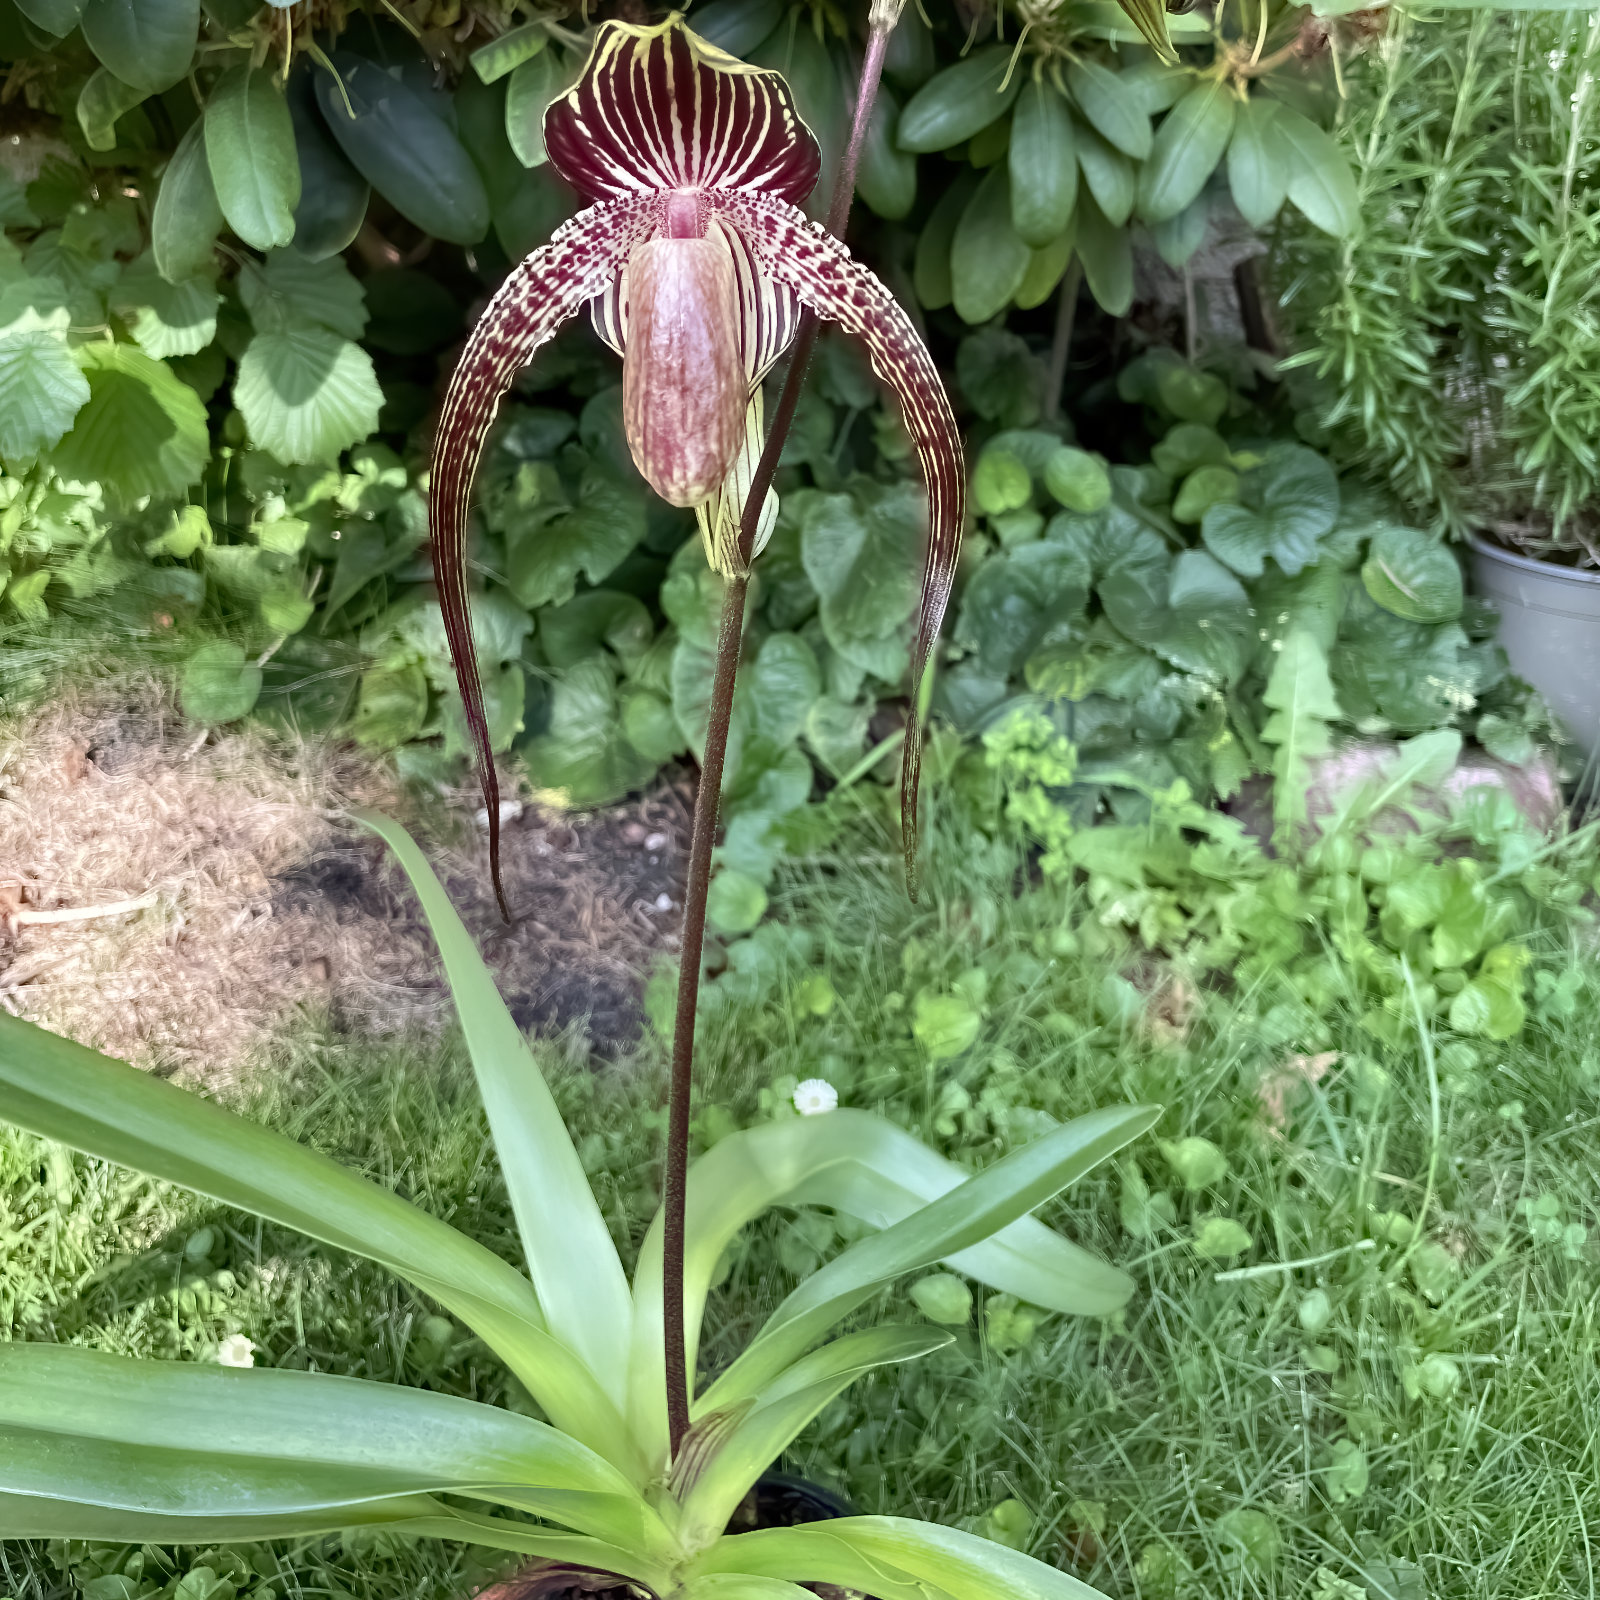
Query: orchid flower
[695, 262]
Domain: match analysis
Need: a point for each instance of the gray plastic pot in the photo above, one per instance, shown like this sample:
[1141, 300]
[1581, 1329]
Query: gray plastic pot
[1550, 627]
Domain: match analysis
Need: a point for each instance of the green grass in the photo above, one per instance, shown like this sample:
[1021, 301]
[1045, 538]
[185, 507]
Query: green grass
[1431, 1432]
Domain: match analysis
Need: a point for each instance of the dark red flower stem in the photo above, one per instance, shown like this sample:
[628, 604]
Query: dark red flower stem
[730, 637]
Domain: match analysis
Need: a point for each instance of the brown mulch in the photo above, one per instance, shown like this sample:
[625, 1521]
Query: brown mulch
[250, 898]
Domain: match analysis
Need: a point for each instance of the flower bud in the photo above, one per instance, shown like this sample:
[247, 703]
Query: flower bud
[684, 389]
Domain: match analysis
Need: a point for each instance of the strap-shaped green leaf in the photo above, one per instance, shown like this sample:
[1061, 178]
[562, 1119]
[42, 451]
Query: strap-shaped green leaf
[26, 1516]
[414, 1516]
[977, 1209]
[876, 1554]
[576, 1271]
[198, 1483]
[65, 1091]
[742, 1586]
[783, 1409]
[808, 1555]
[412, 1440]
[869, 1169]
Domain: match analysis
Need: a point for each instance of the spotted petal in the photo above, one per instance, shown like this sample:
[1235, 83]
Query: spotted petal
[583, 258]
[800, 255]
[659, 108]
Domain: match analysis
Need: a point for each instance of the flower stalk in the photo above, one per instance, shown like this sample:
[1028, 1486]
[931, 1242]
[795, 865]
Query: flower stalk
[730, 639]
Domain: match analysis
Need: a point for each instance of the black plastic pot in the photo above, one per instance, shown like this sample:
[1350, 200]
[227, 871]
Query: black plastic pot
[778, 1500]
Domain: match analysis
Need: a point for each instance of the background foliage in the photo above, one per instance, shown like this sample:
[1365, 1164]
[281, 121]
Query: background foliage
[243, 243]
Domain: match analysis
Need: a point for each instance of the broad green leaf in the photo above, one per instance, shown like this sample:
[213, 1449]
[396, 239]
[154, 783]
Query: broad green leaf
[1413, 575]
[738, 26]
[594, 620]
[41, 388]
[1203, 488]
[1198, 1162]
[943, 1297]
[1046, 268]
[1188, 145]
[1300, 695]
[865, 1168]
[1179, 237]
[360, 1438]
[391, 135]
[1108, 173]
[1000, 482]
[147, 43]
[1197, 615]
[736, 902]
[895, 1559]
[1013, 602]
[59, 17]
[1106, 252]
[101, 101]
[1077, 479]
[143, 430]
[545, 556]
[166, 319]
[391, 706]
[576, 1273]
[494, 60]
[186, 219]
[587, 753]
[988, 259]
[306, 394]
[930, 272]
[219, 685]
[333, 195]
[861, 550]
[288, 290]
[986, 1203]
[1289, 504]
[250, 150]
[1118, 116]
[886, 178]
[534, 84]
[1258, 166]
[1043, 161]
[960, 101]
[1320, 182]
[781, 1411]
[64, 1091]
[1221, 1238]
[945, 1025]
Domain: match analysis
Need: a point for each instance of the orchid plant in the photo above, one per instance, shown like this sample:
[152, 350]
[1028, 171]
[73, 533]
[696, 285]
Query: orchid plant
[97, 1446]
[701, 271]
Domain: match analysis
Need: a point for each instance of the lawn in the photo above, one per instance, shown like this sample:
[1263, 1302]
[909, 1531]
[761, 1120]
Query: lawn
[1360, 1359]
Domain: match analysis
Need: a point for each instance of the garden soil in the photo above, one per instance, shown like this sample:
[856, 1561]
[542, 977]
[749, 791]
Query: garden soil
[178, 900]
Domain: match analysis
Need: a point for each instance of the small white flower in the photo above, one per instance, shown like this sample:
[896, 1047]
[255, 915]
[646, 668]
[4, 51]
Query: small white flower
[236, 1351]
[815, 1096]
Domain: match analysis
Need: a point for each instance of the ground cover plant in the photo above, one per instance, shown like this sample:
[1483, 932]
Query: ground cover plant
[1407, 1411]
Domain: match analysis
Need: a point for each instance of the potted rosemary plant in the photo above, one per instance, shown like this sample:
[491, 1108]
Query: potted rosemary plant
[1455, 333]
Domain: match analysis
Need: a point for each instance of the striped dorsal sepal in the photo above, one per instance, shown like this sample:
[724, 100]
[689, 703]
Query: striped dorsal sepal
[659, 108]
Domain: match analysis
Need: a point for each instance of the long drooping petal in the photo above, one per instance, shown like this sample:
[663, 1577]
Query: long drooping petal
[659, 108]
[802, 256]
[582, 260]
